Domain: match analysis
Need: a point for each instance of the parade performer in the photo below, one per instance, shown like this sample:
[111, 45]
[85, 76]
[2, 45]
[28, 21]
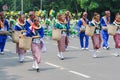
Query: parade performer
[117, 35]
[96, 38]
[21, 26]
[82, 23]
[30, 19]
[37, 33]
[61, 24]
[105, 21]
[4, 26]
[52, 18]
[67, 18]
[52, 21]
[13, 21]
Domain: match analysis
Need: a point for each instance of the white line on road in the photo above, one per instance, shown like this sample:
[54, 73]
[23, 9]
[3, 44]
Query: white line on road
[61, 68]
[52, 64]
[29, 57]
[69, 46]
[74, 72]
[80, 74]
[73, 47]
[10, 58]
[7, 50]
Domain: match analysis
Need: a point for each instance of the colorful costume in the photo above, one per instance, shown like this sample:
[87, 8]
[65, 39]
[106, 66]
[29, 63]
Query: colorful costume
[21, 52]
[3, 38]
[29, 23]
[117, 37]
[104, 23]
[63, 42]
[96, 38]
[36, 46]
[68, 26]
[82, 35]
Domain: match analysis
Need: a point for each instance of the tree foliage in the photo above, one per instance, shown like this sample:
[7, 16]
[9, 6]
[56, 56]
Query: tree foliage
[75, 6]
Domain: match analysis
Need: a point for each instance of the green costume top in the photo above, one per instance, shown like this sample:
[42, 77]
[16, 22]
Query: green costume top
[60, 26]
[47, 21]
[13, 23]
[97, 25]
[117, 24]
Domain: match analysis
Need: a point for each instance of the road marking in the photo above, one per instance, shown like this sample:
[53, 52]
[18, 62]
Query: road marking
[62, 68]
[73, 47]
[80, 74]
[74, 72]
[69, 46]
[57, 66]
[7, 50]
[10, 58]
[52, 64]
[29, 57]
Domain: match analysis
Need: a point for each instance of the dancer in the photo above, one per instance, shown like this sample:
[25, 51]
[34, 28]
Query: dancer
[21, 26]
[61, 24]
[4, 26]
[37, 33]
[105, 21]
[96, 38]
[82, 23]
[117, 35]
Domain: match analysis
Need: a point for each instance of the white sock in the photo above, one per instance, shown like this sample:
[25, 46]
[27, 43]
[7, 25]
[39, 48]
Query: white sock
[116, 52]
[23, 56]
[61, 55]
[20, 57]
[36, 65]
[94, 53]
[33, 66]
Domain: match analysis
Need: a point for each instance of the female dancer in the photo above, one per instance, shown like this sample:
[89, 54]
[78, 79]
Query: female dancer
[37, 33]
[20, 26]
[61, 24]
[117, 35]
[96, 38]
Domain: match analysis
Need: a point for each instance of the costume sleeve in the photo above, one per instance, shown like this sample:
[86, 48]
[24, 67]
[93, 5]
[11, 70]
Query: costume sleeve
[29, 33]
[91, 24]
[41, 32]
[102, 22]
[59, 26]
[16, 28]
[79, 25]
[7, 25]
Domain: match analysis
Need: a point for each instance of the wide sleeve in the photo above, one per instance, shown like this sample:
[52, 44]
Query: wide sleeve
[16, 28]
[27, 23]
[59, 26]
[102, 22]
[91, 24]
[7, 25]
[29, 32]
[41, 32]
[79, 24]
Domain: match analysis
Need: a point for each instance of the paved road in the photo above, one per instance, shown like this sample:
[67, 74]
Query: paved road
[78, 64]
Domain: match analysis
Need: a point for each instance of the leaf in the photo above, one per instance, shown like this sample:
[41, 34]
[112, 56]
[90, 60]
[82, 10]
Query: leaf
[93, 5]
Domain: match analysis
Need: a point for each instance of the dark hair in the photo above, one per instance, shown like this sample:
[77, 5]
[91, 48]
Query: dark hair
[95, 14]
